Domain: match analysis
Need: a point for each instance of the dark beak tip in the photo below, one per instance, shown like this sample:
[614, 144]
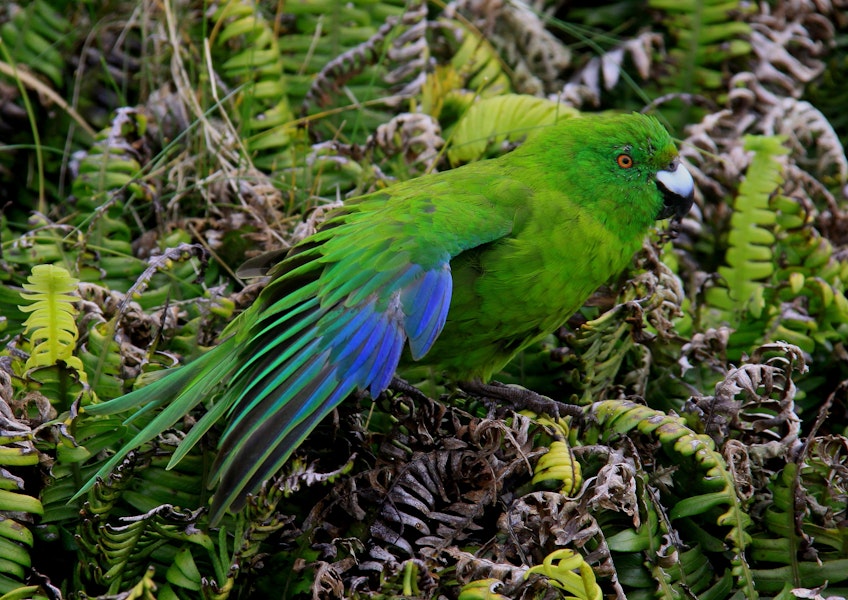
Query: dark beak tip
[684, 206]
[675, 205]
[677, 187]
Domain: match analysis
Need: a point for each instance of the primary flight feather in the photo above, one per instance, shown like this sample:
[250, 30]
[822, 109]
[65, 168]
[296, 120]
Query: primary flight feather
[459, 270]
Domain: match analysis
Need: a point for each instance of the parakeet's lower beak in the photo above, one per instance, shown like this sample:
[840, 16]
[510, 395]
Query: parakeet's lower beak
[678, 190]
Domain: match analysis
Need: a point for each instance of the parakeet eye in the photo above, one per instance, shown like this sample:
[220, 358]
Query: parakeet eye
[625, 161]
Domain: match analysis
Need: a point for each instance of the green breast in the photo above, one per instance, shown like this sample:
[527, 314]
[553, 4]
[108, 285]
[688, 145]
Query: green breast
[511, 293]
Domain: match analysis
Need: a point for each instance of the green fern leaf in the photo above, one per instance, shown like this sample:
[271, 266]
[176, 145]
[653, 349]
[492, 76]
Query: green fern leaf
[750, 257]
[491, 121]
[559, 567]
[51, 319]
[707, 34]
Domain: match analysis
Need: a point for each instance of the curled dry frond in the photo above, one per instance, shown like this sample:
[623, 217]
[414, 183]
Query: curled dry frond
[409, 48]
[436, 498]
[603, 73]
[534, 53]
[416, 136]
[765, 101]
[814, 143]
[755, 402]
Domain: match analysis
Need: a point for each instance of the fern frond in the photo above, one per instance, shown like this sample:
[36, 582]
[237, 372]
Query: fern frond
[491, 121]
[18, 511]
[254, 61]
[582, 584]
[482, 589]
[708, 33]
[750, 256]
[606, 71]
[383, 43]
[33, 37]
[120, 554]
[51, 319]
[558, 466]
[713, 490]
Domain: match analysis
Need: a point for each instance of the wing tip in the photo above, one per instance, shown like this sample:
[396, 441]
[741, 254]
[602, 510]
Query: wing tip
[426, 304]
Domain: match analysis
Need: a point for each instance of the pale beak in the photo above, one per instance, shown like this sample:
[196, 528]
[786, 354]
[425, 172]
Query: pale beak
[678, 190]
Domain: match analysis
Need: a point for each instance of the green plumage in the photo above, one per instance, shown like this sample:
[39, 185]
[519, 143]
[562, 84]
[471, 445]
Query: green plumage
[459, 270]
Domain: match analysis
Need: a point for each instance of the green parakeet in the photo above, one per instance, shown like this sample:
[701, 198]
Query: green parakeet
[459, 270]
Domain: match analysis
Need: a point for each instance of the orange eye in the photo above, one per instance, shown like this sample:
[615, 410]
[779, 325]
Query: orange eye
[625, 161]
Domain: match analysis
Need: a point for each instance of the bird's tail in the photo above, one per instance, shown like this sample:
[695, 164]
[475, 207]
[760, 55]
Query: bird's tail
[181, 390]
[256, 446]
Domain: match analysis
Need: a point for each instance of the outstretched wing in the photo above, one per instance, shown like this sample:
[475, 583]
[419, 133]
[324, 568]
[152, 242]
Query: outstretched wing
[334, 319]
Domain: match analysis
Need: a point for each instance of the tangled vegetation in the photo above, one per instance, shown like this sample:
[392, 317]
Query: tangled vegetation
[147, 149]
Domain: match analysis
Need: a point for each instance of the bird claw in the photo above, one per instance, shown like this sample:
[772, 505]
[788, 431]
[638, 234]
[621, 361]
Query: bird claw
[520, 398]
[402, 386]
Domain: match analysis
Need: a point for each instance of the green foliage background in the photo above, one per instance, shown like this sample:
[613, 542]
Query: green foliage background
[147, 149]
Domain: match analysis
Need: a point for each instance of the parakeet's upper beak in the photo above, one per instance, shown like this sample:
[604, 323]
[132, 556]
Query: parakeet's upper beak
[678, 190]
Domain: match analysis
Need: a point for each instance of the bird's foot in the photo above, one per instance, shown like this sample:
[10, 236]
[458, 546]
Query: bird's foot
[402, 386]
[520, 398]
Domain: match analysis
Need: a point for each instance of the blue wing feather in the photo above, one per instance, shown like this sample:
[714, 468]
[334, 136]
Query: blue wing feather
[388, 354]
[295, 380]
[425, 304]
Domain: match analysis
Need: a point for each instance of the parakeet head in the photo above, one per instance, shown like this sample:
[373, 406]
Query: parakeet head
[626, 166]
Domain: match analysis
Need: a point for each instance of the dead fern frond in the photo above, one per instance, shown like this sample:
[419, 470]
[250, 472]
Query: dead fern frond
[755, 402]
[603, 73]
[416, 136]
[409, 48]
